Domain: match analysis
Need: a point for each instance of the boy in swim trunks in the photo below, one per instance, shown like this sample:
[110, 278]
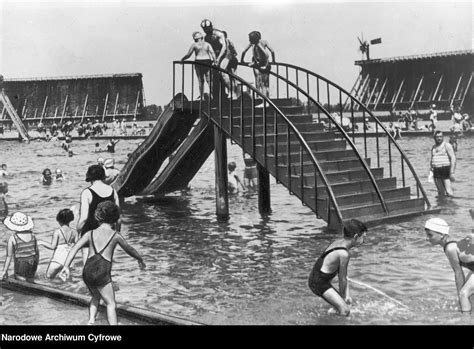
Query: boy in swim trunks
[334, 261]
[97, 269]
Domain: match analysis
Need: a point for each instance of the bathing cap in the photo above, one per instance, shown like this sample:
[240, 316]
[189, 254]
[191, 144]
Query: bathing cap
[438, 225]
[206, 24]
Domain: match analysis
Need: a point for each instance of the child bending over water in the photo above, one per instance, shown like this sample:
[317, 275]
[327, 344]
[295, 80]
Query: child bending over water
[334, 261]
[62, 242]
[234, 179]
[22, 248]
[460, 255]
[97, 269]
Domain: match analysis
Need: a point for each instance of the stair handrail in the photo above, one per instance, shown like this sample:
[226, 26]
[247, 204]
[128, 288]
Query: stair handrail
[281, 114]
[343, 132]
[390, 137]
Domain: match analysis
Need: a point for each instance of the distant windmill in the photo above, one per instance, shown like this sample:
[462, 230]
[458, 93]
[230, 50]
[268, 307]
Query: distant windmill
[364, 47]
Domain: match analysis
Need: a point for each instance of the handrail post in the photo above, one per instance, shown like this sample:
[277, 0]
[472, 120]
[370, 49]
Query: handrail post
[174, 85]
[182, 87]
[317, 96]
[264, 117]
[253, 122]
[242, 114]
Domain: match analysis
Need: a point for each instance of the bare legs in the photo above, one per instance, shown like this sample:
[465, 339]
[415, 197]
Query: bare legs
[444, 187]
[466, 291]
[334, 298]
[108, 295]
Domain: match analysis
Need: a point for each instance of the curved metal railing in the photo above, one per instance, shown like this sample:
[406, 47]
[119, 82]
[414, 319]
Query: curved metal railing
[339, 108]
[214, 107]
[340, 129]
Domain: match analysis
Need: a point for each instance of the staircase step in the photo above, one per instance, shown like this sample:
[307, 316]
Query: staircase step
[357, 187]
[333, 165]
[336, 177]
[354, 200]
[308, 135]
[303, 128]
[295, 145]
[395, 215]
[374, 209]
[225, 109]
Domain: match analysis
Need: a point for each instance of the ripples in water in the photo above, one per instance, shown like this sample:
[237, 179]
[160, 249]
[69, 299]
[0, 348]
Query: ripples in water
[247, 270]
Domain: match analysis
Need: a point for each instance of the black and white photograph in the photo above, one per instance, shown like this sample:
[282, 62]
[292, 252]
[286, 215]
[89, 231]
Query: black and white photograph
[235, 163]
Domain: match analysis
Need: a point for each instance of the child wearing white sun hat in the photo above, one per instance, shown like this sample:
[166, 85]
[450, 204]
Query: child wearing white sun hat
[460, 255]
[22, 247]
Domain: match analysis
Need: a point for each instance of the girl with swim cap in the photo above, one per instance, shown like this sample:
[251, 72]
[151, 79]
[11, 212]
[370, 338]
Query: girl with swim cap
[460, 254]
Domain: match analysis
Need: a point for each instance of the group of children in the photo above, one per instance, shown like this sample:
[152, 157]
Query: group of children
[215, 49]
[23, 250]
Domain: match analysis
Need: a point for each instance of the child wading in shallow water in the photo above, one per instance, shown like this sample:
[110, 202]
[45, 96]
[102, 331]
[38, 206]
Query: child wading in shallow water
[334, 261]
[62, 241]
[460, 255]
[97, 269]
[22, 247]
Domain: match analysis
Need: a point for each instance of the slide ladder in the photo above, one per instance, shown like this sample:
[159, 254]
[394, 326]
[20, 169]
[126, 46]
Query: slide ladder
[14, 116]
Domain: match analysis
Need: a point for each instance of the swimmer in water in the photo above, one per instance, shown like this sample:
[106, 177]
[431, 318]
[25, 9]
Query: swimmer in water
[97, 269]
[460, 255]
[46, 178]
[335, 261]
[59, 176]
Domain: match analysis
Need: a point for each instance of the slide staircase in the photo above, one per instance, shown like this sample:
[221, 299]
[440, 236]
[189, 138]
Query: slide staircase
[298, 138]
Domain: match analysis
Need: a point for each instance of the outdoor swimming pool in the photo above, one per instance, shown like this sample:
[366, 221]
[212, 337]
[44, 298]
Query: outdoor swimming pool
[250, 269]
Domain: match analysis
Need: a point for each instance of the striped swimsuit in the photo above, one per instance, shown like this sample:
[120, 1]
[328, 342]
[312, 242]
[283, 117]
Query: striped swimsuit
[26, 257]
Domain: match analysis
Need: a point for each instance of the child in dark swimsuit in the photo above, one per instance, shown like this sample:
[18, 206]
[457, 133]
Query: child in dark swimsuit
[97, 270]
[459, 253]
[334, 261]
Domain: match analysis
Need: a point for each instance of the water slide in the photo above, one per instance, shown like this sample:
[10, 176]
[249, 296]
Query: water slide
[171, 129]
[14, 116]
[186, 162]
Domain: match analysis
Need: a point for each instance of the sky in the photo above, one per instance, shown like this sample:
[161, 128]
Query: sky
[68, 38]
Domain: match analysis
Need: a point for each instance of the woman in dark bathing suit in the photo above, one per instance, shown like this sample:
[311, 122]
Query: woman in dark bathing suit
[97, 270]
[334, 261]
[460, 254]
[96, 193]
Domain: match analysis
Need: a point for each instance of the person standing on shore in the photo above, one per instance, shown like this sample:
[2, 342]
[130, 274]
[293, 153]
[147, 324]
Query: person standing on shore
[433, 118]
[460, 255]
[335, 261]
[443, 164]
